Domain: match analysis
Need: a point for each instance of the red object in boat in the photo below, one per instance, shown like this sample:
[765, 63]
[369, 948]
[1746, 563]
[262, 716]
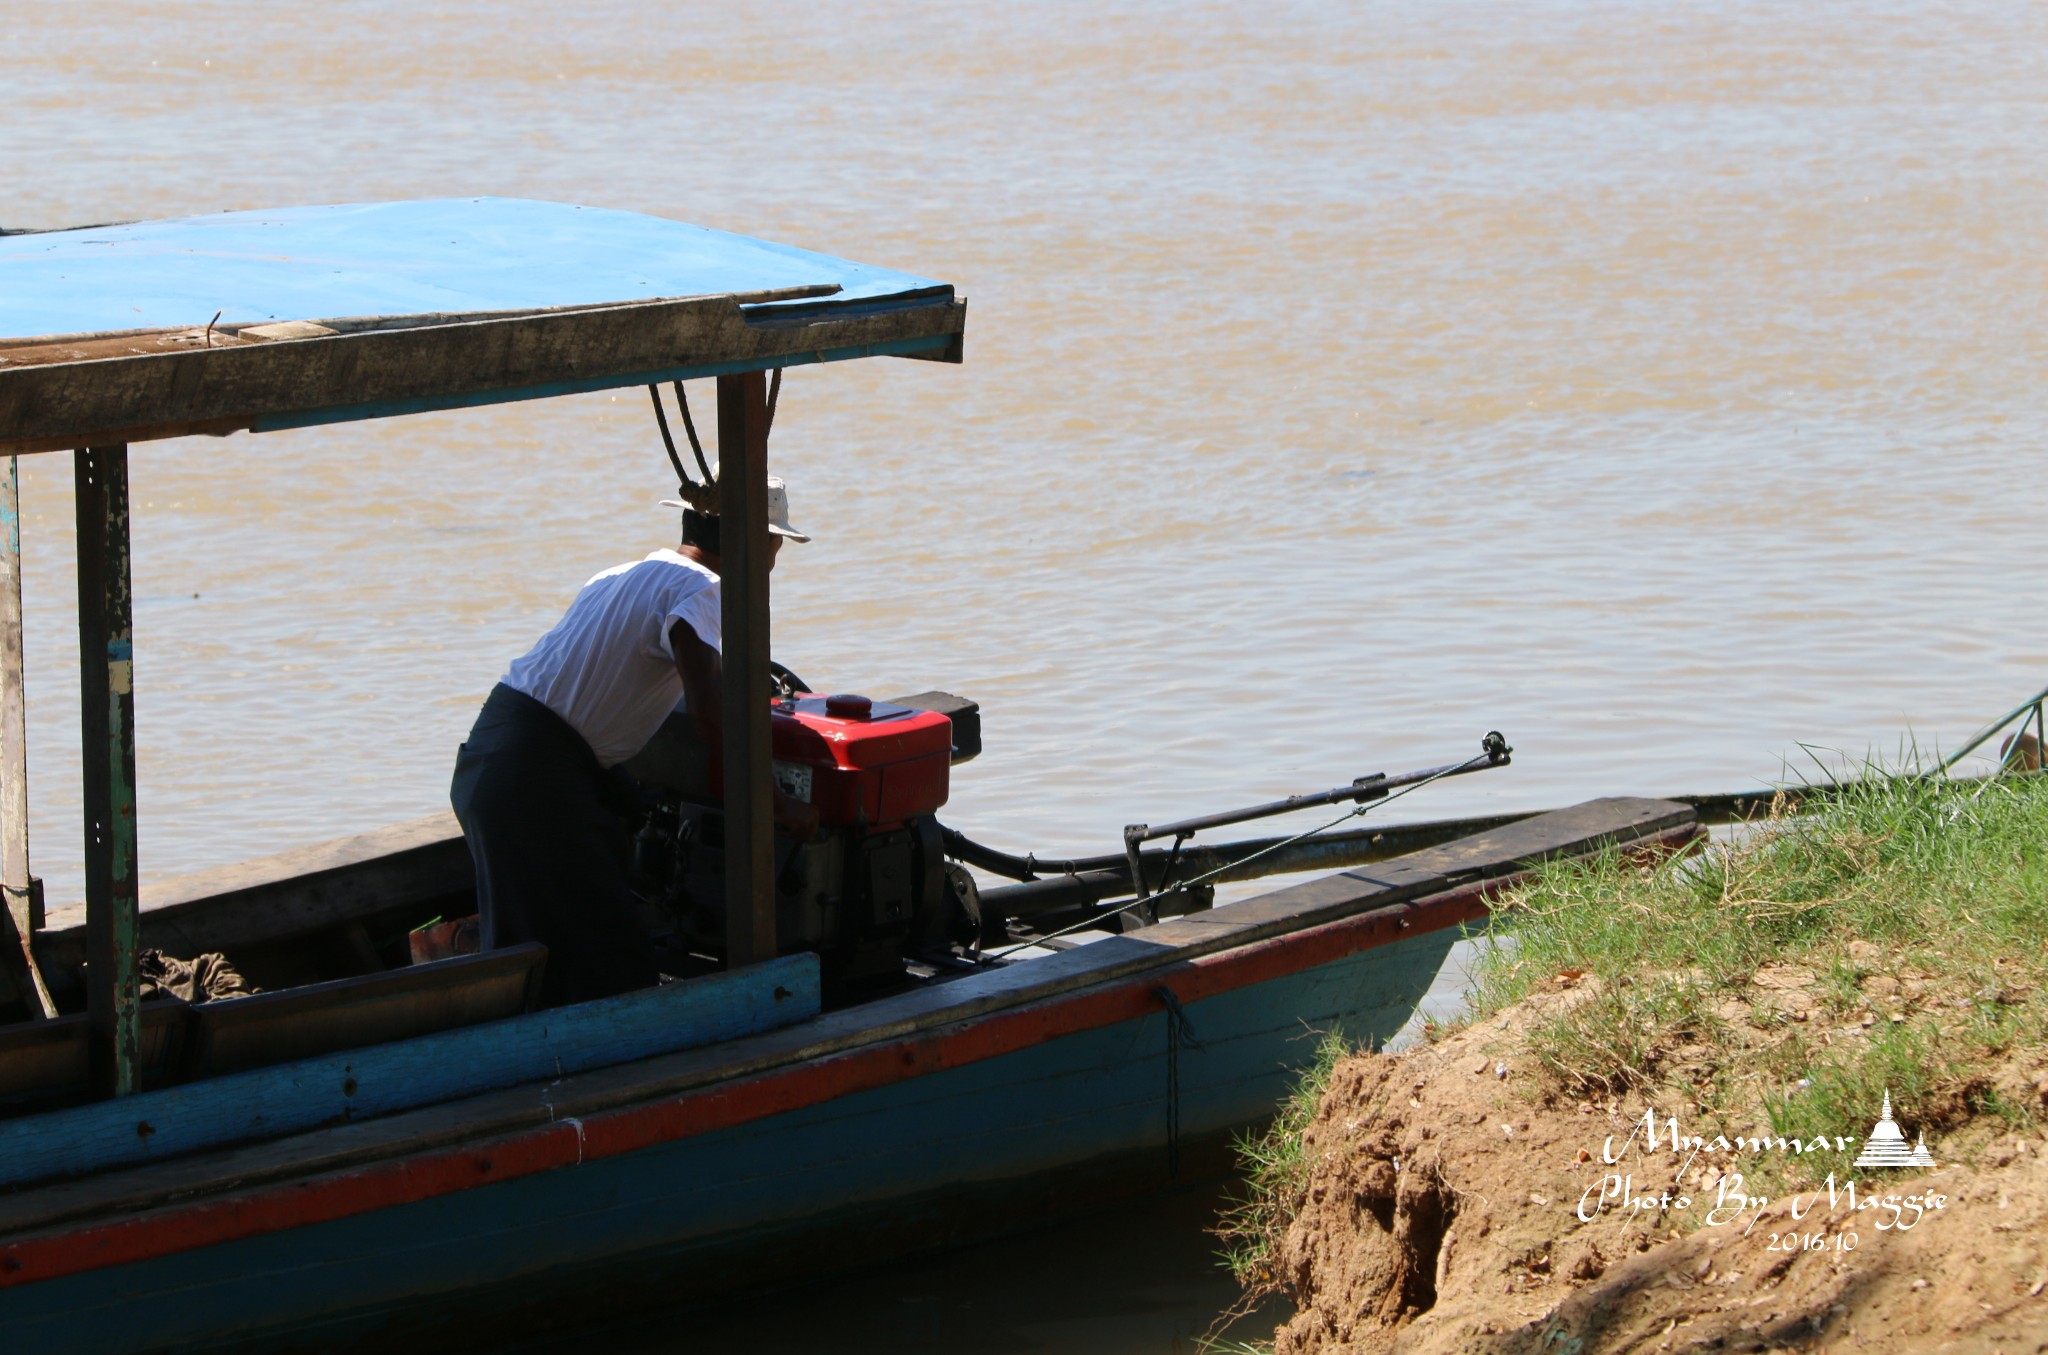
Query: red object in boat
[859, 761]
[445, 939]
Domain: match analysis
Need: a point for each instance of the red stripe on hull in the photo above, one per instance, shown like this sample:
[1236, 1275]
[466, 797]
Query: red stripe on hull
[569, 1142]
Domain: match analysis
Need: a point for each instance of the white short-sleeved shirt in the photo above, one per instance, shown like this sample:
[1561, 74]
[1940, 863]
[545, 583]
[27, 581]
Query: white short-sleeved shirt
[606, 667]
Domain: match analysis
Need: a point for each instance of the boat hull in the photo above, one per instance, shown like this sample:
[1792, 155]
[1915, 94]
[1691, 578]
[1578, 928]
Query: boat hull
[970, 1150]
[952, 1110]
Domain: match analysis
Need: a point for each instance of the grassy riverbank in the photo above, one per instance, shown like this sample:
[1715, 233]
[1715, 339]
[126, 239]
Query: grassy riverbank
[1892, 938]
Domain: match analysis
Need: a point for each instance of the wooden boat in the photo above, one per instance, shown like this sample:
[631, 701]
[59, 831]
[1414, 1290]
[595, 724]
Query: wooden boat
[378, 1144]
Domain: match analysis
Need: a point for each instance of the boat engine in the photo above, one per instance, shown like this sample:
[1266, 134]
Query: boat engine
[874, 888]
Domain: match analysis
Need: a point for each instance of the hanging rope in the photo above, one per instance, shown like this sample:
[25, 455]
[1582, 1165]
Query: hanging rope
[1180, 1033]
[774, 394]
[667, 438]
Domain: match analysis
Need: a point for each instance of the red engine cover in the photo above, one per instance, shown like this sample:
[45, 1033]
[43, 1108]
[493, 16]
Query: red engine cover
[860, 761]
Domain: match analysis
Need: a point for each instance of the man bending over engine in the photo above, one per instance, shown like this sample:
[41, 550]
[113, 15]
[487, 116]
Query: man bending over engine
[535, 789]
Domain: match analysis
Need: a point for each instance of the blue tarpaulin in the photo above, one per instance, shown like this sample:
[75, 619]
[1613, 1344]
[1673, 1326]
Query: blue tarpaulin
[453, 256]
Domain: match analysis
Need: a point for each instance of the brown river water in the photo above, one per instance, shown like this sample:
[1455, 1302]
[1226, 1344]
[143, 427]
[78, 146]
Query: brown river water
[1659, 384]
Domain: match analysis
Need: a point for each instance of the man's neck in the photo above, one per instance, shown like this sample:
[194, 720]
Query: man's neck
[696, 556]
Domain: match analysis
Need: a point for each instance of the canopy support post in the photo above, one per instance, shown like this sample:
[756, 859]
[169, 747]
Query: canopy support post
[743, 588]
[107, 732]
[23, 914]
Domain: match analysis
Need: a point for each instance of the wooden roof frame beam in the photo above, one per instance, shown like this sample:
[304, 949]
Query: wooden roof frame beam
[377, 373]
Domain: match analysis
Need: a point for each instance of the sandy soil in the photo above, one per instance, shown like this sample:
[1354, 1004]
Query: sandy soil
[1456, 1204]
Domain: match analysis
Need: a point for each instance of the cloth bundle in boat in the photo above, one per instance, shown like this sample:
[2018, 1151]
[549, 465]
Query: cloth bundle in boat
[201, 979]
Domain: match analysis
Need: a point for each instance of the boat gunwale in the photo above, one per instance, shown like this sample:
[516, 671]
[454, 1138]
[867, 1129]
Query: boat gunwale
[86, 1238]
[463, 1144]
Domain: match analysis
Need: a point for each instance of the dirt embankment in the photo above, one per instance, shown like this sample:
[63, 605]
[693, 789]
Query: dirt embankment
[1456, 1200]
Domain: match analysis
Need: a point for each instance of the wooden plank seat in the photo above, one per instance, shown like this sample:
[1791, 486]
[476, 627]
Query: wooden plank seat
[320, 1018]
[295, 894]
[46, 1063]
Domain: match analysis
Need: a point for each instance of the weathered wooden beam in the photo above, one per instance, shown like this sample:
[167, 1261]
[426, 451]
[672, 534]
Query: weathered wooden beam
[107, 737]
[116, 343]
[295, 894]
[17, 942]
[375, 372]
[743, 601]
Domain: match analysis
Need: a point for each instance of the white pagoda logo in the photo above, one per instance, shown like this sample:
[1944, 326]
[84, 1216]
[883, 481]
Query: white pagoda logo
[1886, 1146]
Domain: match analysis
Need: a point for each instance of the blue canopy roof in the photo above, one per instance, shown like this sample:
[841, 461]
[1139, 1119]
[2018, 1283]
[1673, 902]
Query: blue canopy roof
[447, 256]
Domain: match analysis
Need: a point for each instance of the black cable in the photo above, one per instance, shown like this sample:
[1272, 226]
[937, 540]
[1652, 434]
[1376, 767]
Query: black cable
[963, 848]
[690, 427]
[774, 394]
[667, 438]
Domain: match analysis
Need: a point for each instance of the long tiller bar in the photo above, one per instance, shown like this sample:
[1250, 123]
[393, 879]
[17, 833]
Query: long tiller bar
[1493, 752]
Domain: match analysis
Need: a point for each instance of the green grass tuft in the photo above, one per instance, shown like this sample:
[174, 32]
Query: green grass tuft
[1276, 1164]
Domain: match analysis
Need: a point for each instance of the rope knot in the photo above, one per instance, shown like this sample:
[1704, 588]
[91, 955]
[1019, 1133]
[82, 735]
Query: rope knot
[1179, 1029]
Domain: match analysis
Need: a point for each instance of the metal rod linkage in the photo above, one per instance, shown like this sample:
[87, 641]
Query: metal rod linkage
[1493, 752]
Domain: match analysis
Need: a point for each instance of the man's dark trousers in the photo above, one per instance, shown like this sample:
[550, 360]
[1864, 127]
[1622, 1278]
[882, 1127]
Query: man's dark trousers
[545, 830]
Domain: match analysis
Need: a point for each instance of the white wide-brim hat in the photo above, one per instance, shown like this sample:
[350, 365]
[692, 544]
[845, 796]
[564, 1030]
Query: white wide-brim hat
[778, 508]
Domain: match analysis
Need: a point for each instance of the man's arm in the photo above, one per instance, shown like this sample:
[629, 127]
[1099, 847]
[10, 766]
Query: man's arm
[703, 675]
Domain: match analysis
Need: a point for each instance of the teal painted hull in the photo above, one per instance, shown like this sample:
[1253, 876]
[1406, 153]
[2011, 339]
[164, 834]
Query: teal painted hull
[972, 1150]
